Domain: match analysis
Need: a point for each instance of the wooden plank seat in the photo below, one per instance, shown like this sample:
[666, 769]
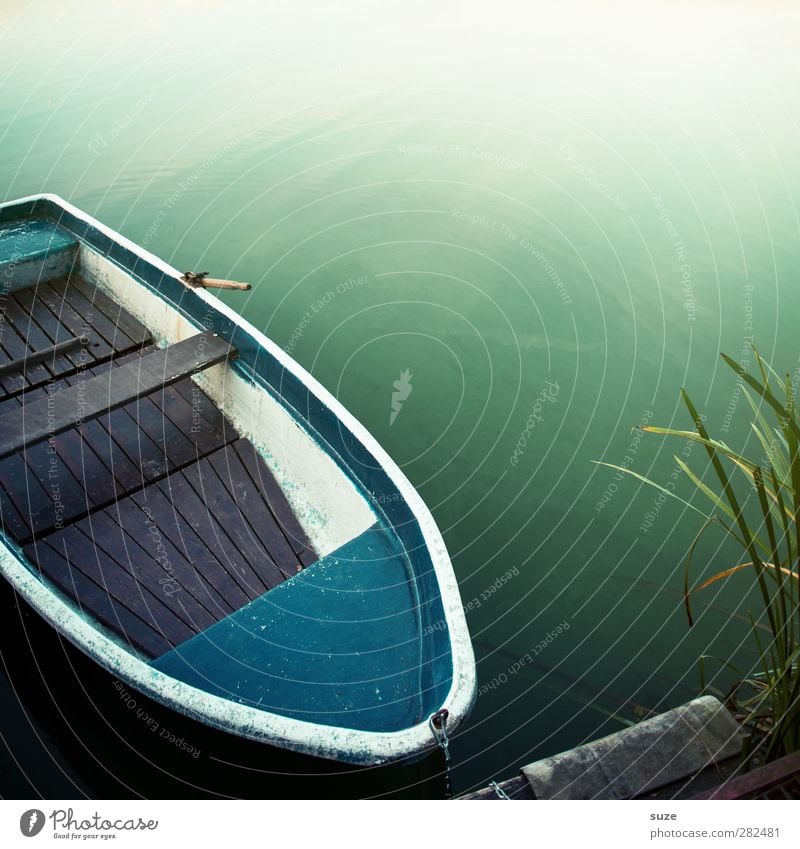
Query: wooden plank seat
[60, 411]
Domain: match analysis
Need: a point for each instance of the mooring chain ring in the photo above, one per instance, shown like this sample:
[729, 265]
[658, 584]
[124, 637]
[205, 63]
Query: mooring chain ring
[438, 725]
[499, 792]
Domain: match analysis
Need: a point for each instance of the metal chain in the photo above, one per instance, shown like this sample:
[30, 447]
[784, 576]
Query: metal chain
[499, 792]
[438, 726]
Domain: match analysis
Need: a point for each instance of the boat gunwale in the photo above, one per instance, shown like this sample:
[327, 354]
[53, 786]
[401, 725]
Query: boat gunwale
[338, 743]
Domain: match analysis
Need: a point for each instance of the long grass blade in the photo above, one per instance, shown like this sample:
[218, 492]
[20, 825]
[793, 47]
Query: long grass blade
[767, 530]
[734, 504]
[651, 483]
[763, 391]
[687, 595]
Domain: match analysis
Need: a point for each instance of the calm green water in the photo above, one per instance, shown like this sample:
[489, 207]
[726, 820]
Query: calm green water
[552, 219]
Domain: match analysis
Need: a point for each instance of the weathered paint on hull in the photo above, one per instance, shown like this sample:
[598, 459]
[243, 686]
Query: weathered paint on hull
[361, 487]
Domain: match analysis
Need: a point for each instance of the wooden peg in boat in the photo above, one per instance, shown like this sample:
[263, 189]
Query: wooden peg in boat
[198, 280]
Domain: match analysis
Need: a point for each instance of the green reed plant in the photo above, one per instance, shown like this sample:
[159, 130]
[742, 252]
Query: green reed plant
[765, 524]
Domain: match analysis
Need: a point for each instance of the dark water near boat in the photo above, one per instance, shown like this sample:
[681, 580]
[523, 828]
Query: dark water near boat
[553, 220]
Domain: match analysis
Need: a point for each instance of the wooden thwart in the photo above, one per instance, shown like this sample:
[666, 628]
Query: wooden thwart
[46, 417]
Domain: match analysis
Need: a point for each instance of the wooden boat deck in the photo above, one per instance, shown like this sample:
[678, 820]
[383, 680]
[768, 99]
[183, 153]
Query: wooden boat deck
[158, 518]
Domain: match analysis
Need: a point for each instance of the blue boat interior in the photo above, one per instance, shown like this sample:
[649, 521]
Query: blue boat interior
[166, 528]
[340, 644]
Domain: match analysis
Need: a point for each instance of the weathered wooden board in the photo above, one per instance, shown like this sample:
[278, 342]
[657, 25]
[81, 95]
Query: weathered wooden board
[234, 486]
[99, 347]
[115, 325]
[46, 322]
[95, 599]
[180, 535]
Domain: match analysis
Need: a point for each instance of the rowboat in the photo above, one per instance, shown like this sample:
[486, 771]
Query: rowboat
[186, 504]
